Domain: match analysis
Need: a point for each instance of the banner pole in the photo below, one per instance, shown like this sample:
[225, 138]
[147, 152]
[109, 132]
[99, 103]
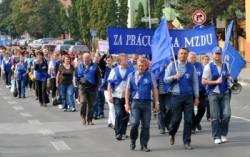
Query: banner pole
[172, 52]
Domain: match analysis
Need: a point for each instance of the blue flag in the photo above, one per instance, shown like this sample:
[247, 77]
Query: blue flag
[231, 57]
[161, 47]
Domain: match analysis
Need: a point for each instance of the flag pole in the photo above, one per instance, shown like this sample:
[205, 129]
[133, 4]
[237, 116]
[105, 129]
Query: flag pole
[172, 52]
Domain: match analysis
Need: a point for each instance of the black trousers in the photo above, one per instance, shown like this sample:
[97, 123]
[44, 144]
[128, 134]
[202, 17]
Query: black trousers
[201, 109]
[41, 88]
[53, 87]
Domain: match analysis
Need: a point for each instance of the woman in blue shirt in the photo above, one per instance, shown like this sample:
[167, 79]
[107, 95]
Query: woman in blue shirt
[21, 76]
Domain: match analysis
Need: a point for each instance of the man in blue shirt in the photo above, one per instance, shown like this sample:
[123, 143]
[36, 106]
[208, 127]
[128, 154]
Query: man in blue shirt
[140, 84]
[216, 77]
[184, 84]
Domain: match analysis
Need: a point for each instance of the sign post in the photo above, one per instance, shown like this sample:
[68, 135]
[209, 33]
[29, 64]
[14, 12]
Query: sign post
[93, 35]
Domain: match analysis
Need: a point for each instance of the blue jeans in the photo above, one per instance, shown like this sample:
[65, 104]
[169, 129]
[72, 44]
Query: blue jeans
[21, 87]
[141, 111]
[99, 104]
[164, 116]
[220, 113]
[121, 116]
[67, 95]
[182, 103]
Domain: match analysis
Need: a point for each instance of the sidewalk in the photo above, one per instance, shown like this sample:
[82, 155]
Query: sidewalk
[245, 74]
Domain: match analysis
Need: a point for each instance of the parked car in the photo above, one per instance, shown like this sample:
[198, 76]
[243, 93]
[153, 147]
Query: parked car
[69, 42]
[81, 48]
[37, 44]
[63, 47]
[49, 47]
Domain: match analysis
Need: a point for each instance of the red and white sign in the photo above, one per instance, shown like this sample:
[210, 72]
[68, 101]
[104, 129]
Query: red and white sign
[103, 45]
[199, 17]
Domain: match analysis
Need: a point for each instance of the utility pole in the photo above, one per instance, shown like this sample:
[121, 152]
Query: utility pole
[149, 14]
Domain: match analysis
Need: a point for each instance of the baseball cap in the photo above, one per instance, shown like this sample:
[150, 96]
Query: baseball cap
[216, 49]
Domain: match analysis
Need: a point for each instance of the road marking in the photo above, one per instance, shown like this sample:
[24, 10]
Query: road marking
[60, 145]
[241, 118]
[12, 102]
[7, 97]
[18, 108]
[34, 122]
[25, 114]
[46, 132]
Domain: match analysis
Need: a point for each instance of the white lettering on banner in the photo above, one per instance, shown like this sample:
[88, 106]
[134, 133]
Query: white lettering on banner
[209, 36]
[117, 40]
[138, 40]
[176, 43]
[197, 41]
[189, 43]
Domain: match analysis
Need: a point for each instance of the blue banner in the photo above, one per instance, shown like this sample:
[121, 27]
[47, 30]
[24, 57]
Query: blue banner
[139, 41]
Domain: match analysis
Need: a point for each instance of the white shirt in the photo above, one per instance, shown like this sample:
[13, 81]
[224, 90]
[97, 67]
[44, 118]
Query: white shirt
[120, 89]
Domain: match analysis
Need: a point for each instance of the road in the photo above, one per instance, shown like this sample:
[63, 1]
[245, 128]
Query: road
[27, 130]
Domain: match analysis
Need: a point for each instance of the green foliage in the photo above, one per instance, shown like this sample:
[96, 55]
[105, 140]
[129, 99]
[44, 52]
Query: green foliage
[40, 18]
[158, 9]
[103, 14]
[123, 13]
[139, 15]
[6, 23]
[213, 9]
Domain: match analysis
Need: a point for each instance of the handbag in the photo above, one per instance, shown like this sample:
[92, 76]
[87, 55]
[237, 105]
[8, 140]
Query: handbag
[15, 93]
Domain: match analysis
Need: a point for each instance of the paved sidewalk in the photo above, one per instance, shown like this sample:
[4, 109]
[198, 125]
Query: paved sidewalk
[245, 74]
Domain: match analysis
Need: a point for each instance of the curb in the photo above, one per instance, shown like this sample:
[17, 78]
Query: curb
[244, 80]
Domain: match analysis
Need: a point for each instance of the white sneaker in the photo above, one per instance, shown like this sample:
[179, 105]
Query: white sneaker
[60, 106]
[223, 139]
[217, 141]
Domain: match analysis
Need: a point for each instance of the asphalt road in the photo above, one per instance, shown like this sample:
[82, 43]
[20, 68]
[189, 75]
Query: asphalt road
[27, 130]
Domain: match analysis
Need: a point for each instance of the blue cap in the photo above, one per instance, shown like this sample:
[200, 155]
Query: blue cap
[217, 49]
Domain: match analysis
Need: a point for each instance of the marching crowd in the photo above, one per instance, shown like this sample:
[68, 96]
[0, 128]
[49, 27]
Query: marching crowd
[130, 89]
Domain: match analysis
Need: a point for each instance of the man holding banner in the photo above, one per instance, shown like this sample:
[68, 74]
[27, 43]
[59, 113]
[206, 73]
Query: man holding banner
[216, 76]
[184, 84]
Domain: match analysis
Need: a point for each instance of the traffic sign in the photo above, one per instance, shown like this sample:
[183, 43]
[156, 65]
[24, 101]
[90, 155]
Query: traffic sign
[93, 33]
[199, 17]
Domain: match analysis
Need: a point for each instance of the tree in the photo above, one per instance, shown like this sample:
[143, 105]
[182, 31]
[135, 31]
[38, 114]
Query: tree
[83, 18]
[213, 9]
[123, 13]
[40, 18]
[158, 8]
[103, 14]
[6, 23]
[235, 11]
[139, 15]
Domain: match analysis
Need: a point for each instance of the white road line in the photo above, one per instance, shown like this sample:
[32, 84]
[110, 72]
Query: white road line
[34, 122]
[60, 145]
[241, 118]
[7, 97]
[46, 132]
[18, 108]
[12, 102]
[25, 114]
